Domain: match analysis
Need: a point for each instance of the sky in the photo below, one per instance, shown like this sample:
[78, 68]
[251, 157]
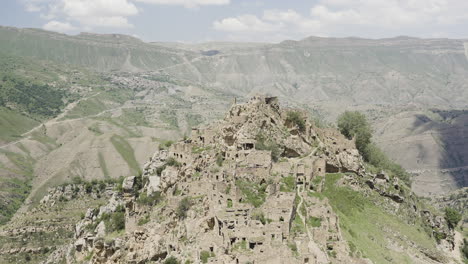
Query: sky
[193, 21]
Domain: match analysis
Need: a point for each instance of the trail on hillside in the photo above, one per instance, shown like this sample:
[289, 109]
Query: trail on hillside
[54, 120]
[320, 255]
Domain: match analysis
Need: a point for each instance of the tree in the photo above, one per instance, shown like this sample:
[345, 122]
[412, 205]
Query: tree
[353, 124]
[452, 216]
[296, 118]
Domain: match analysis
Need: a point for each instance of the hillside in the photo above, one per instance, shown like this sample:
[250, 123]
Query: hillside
[263, 185]
[383, 77]
[107, 133]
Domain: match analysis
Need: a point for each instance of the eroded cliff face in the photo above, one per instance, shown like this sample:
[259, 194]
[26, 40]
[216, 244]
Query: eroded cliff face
[262, 185]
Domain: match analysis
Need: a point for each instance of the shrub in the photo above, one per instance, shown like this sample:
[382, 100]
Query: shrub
[102, 186]
[465, 248]
[172, 162]
[452, 216]
[219, 160]
[184, 206]
[205, 255]
[160, 169]
[228, 188]
[119, 187]
[253, 193]
[297, 119]
[116, 220]
[166, 144]
[439, 236]
[171, 260]
[88, 187]
[264, 144]
[355, 125]
[150, 200]
[144, 220]
[260, 217]
[293, 247]
[374, 156]
[288, 184]
[77, 180]
[314, 221]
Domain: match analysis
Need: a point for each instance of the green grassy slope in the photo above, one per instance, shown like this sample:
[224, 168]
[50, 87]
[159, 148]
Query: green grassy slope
[13, 124]
[371, 231]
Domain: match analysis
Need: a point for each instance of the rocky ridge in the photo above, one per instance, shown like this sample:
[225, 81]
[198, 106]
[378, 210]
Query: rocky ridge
[247, 189]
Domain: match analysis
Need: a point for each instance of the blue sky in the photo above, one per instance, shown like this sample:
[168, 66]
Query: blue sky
[242, 20]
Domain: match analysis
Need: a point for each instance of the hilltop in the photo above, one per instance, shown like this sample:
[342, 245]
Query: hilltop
[262, 185]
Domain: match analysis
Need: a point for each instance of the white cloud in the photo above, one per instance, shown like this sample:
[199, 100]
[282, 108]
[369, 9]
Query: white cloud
[391, 14]
[186, 3]
[367, 18]
[59, 26]
[85, 14]
[274, 25]
[245, 23]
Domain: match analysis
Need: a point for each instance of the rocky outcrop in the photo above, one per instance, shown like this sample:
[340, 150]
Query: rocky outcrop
[245, 189]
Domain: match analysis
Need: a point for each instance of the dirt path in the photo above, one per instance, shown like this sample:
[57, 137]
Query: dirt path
[57, 120]
[458, 244]
[49, 122]
[320, 255]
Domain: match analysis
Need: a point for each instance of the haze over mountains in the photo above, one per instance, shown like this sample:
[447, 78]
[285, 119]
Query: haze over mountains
[415, 91]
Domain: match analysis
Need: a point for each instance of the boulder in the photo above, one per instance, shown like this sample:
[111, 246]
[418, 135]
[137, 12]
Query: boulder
[153, 184]
[128, 184]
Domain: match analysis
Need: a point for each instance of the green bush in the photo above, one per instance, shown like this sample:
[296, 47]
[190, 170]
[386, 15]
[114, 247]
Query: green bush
[150, 200]
[77, 180]
[465, 249]
[297, 119]
[144, 220]
[183, 207]
[205, 255]
[88, 187]
[260, 217]
[166, 144]
[355, 125]
[160, 169]
[171, 260]
[452, 216]
[266, 144]
[293, 247]
[219, 160]
[114, 221]
[374, 156]
[253, 193]
[172, 162]
[287, 184]
[119, 187]
[314, 221]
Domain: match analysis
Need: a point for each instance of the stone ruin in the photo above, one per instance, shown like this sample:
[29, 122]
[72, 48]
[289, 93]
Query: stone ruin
[251, 180]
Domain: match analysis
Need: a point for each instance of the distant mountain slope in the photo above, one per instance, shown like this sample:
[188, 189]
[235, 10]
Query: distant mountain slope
[431, 144]
[100, 52]
[393, 71]
[325, 75]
